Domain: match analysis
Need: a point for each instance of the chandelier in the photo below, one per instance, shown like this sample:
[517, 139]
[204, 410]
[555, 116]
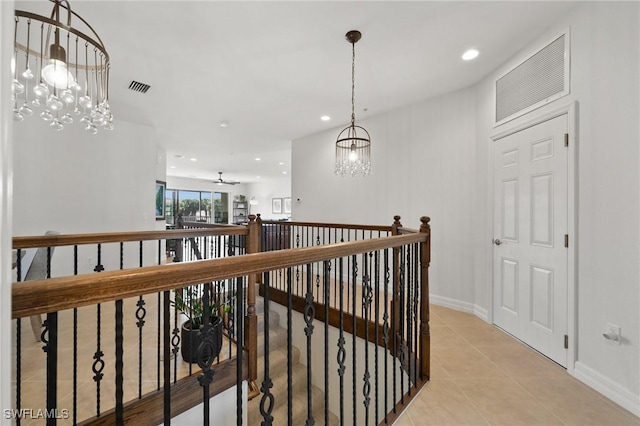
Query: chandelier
[60, 72]
[353, 146]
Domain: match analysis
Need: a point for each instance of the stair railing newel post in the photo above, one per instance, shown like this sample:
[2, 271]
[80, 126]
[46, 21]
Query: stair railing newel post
[251, 323]
[425, 335]
[395, 298]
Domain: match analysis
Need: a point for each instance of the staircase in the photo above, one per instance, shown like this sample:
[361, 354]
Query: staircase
[278, 373]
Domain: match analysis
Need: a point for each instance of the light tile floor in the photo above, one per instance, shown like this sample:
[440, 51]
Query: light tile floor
[482, 376]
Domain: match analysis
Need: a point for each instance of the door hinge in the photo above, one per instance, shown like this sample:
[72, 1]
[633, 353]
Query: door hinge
[566, 341]
[566, 139]
[566, 240]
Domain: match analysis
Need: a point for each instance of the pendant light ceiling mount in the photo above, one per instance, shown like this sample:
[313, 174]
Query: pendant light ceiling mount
[353, 145]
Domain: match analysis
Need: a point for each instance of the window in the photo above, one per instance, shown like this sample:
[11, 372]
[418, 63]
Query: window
[196, 206]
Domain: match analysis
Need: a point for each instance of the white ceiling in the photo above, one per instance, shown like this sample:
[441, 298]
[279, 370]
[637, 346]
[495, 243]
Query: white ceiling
[271, 69]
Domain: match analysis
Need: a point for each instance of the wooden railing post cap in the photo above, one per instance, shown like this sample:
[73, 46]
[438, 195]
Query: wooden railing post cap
[252, 217]
[396, 220]
[425, 220]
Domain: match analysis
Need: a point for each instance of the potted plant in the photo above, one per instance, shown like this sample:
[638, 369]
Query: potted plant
[189, 301]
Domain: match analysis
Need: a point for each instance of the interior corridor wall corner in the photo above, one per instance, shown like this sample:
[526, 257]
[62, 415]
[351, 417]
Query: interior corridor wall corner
[6, 173]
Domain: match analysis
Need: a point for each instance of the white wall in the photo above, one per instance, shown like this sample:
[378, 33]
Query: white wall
[6, 211]
[266, 190]
[605, 51]
[424, 164]
[433, 158]
[74, 182]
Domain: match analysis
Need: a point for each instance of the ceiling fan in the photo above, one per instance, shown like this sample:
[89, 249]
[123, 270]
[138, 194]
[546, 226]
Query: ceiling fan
[220, 181]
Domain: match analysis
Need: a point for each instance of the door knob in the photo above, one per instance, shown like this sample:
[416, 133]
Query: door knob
[496, 242]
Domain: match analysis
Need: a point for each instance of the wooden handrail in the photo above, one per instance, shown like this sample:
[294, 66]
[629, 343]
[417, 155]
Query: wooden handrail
[329, 225]
[55, 294]
[117, 237]
[206, 225]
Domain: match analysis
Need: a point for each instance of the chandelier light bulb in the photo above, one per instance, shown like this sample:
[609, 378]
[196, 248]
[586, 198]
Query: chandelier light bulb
[353, 155]
[56, 74]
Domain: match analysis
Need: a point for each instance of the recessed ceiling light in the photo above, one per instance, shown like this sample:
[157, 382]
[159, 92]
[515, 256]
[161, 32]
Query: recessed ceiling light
[258, 158]
[325, 118]
[470, 54]
[257, 177]
[224, 124]
[193, 159]
[284, 173]
[173, 167]
[281, 163]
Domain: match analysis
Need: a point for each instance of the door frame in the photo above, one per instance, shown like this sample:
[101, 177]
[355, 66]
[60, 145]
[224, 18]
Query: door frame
[530, 120]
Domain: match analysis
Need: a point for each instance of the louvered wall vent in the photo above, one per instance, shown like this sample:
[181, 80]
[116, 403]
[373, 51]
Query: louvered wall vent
[136, 86]
[540, 79]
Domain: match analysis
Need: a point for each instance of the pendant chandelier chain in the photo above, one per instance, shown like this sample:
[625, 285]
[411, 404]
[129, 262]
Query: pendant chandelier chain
[353, 84]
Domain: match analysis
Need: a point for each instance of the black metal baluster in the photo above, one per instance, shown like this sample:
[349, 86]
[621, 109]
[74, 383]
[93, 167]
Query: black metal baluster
[309, 315]
[289, 346]
[141, 312]
[376, 296]
[327, 277]
[75, 344]
[98, 363]
[400, 332]
[353, 337]
[119, 339]
[341, 356]
[267, 402]
[416, 300]
[385, 331]
[19, 344]
[394, 332]
[366, 305]
[51, 349]
[239, 308]
[175, 342]
[205, 352]
[408, 319]
[158, 343]
[167, 357]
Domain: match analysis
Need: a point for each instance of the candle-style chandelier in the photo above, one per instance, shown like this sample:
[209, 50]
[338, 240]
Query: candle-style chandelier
[353, 146]
[60, 72]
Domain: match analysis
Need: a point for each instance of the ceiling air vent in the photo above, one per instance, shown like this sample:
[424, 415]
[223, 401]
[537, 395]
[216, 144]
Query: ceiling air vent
[136, 86]
[540, 79]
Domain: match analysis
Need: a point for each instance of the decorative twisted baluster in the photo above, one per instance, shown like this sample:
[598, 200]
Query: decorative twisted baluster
[267, 401]
[342, 355]
[98, 363]
[366, 307]
[309, 315]
[205, 353]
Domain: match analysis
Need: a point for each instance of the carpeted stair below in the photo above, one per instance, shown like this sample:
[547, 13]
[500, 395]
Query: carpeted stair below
[278, 374]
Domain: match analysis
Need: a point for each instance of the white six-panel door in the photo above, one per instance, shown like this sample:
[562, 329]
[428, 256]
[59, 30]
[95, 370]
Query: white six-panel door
[530, 223]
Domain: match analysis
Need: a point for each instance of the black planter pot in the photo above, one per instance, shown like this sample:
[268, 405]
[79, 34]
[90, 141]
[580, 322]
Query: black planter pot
[190, 341]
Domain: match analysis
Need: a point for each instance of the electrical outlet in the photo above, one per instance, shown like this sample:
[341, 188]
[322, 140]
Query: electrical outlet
[613, 333]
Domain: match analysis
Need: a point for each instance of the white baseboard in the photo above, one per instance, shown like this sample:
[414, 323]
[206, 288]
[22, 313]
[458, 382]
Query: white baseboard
[460, 306]
[608, 388]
